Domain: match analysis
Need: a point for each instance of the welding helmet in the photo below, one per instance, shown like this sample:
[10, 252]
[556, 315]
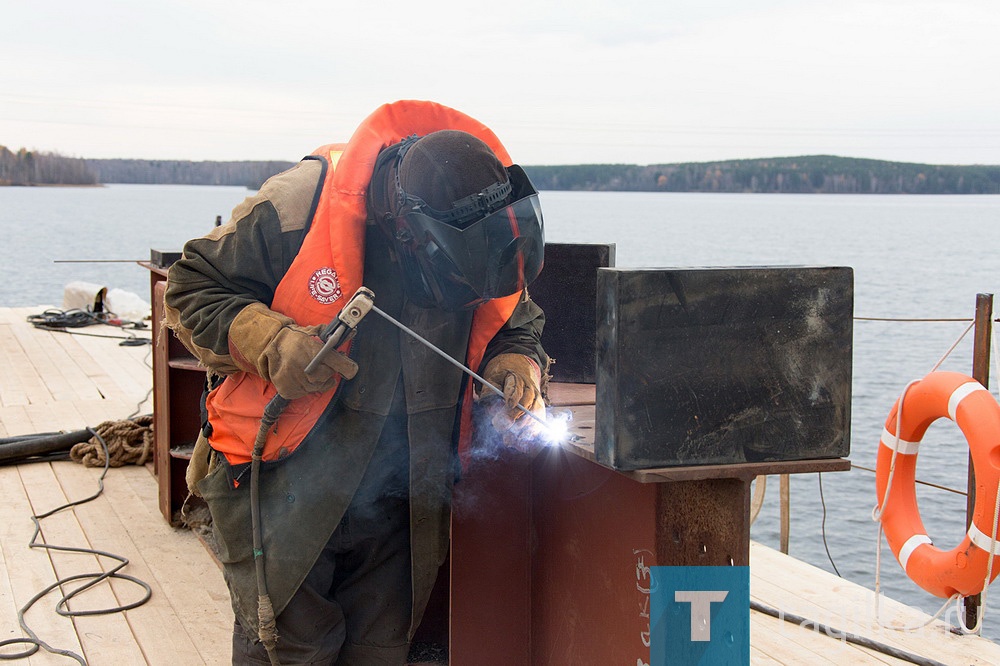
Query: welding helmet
[463, 228]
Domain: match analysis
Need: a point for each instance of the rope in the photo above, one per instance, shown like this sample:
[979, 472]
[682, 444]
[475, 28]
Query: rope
[879, 509]
[128, 442]
[980, 615]
[989, 575]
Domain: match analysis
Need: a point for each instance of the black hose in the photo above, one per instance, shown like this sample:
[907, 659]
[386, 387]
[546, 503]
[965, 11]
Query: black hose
[266, 629]
[35, 446]
[21, 438]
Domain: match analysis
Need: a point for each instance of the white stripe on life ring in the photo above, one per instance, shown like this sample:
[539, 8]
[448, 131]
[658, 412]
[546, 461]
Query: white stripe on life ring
[982, 541]
[906, 448]
[960, 394]
[911, 545]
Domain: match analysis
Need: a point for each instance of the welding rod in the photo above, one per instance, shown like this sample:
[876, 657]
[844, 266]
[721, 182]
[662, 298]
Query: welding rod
[430, 345]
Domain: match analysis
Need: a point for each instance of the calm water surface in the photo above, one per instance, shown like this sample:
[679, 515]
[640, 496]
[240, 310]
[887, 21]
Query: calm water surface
[913, 257]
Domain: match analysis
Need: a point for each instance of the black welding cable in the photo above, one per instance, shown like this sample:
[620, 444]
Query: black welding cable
[862, 641]
[60, 321]
[822, 527]
[33, 641]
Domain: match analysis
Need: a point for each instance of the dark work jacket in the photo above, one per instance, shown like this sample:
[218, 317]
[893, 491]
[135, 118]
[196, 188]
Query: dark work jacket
[304, 496]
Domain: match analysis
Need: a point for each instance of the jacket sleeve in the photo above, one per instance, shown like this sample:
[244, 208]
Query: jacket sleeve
[238, 264]
[522, 334]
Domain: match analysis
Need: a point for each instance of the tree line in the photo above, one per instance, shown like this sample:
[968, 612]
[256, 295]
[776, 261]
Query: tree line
[178, 172]
[807, 174]
[26, 167]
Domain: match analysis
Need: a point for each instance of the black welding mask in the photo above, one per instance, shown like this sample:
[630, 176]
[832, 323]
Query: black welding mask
[463, 228]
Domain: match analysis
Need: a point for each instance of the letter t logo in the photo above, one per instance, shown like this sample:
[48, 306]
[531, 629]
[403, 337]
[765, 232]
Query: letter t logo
[701, 603]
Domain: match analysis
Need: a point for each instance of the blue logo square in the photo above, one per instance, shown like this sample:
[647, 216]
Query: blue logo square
[700, 615]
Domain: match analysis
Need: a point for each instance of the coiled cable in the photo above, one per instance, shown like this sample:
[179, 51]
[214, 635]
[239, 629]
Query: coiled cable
[62, 607]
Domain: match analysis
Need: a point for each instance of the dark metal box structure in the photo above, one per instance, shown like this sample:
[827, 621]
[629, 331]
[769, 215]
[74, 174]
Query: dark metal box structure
[702, 366]
[567, 292]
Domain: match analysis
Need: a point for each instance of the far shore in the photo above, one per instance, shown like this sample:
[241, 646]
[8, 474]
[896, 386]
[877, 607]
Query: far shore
[53, 185]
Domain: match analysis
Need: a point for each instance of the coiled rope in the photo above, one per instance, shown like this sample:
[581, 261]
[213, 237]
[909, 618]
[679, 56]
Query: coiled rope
[128, 442]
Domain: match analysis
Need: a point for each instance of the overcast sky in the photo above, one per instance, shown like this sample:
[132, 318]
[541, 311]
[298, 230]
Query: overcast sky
[581, 81]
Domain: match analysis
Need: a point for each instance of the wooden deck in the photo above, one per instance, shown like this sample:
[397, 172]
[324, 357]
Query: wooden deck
[58, 381]
[54, 381]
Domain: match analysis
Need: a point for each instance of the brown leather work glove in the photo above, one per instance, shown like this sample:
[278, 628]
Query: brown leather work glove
[273, 346]
[520, 380]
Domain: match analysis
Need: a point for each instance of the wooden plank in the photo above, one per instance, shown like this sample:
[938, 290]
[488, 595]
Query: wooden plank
[38, 348]
[157, 624]
[184, 569]
[77, 364]
[93, 412]
[11, 390]
[802, 589]
[759, 658]
[21, 368]
[64, 352]
[105, 639]
[27, 572]
[562, 394]
[90, 371]
[61, 415]
[16, 421]
[126, 369]
[797, 645]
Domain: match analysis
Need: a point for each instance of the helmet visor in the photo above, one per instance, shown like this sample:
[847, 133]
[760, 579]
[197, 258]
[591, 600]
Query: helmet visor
[494, 256]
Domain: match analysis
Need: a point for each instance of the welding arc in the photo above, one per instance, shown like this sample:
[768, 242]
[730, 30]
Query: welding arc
[430, 345]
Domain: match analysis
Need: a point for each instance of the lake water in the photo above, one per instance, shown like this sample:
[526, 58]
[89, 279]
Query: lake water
[913, 257]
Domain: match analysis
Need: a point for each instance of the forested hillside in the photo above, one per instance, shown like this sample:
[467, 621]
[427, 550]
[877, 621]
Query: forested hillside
[30, 168]
[176, 172]
[808, 174]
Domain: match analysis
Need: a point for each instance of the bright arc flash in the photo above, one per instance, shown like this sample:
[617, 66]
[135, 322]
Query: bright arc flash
[558, 429]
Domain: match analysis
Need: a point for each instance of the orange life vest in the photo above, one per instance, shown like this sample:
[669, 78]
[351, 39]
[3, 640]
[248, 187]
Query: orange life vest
[329, 269]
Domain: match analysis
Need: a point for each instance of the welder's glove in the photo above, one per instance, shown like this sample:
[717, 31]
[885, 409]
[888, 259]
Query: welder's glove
[273, 346]
[520, 379]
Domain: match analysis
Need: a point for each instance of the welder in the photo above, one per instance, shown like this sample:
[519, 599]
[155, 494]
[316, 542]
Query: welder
[424, 207]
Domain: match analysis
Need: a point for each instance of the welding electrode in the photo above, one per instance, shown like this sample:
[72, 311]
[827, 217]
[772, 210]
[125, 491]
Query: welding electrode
[458, 365]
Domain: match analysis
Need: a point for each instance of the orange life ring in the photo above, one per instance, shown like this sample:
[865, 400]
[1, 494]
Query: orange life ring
[973, 408]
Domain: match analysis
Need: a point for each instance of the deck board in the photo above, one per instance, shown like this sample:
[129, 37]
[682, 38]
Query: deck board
[104, 638]
[28, 571]
[799, 588]
[68, 381]
[56, 381]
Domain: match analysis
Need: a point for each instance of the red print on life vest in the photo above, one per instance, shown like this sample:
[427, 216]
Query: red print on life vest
[324, 286]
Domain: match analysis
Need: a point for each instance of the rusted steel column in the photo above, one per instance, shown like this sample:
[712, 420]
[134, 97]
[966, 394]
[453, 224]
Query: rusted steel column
[491, 563]
[592, 551]
[704, 522]
[981, 373]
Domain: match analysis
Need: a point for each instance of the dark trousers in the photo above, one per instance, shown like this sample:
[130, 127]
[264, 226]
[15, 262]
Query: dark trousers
[354, 607]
